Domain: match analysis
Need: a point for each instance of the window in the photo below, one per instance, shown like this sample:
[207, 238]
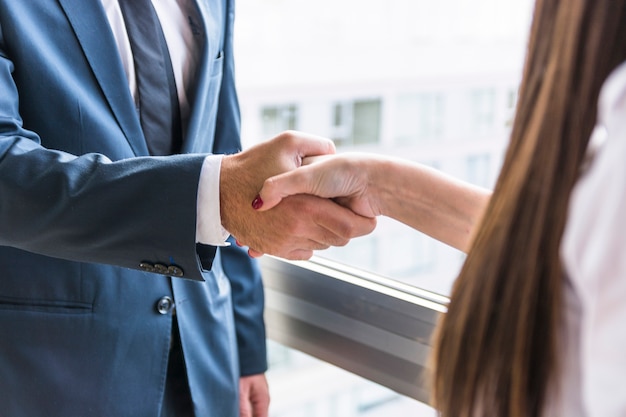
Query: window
[478, 170]
[368, 325]
[430, 81]
[418, 118]
[392, 250]
[511, 106]
[338, 393]
[482, 110]
[356, 122]
[276, 119]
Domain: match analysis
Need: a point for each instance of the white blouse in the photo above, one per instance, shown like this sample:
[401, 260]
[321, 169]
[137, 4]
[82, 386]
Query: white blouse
[593, 250]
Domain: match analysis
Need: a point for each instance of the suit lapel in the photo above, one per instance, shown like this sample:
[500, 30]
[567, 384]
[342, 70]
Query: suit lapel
[94, 34]
[198, 122]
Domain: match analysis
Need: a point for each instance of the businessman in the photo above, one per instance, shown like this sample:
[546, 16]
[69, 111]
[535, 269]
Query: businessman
[119, 295]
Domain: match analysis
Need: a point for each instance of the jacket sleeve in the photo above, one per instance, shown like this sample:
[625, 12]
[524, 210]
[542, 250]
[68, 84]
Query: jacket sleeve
[130, 213]
[242, 271]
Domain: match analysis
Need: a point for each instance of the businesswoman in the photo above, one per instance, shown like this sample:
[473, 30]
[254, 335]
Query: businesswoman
[535, 322]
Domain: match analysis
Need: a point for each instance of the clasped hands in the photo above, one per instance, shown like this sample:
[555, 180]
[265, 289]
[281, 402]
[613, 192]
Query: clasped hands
[272, 202]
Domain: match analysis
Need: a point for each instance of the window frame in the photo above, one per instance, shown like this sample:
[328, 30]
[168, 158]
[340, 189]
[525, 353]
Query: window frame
[369, 325]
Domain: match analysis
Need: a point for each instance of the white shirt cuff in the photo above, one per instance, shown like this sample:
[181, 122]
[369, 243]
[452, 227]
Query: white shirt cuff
[209, 230]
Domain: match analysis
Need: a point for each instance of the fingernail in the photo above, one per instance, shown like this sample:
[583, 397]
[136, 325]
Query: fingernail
[257, 203]
[238, 243]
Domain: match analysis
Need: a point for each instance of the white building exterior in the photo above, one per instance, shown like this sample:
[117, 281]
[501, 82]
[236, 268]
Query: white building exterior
[434, 81]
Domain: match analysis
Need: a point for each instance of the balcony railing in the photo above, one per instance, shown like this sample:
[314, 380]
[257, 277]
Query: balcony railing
[369, 325]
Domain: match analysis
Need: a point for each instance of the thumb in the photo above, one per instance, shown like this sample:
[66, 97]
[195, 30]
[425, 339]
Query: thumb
[281, 186]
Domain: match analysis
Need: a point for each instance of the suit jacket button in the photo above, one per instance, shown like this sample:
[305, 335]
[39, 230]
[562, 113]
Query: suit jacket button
[175, 271]
[165, 305]
[146, 266]
[160, 269]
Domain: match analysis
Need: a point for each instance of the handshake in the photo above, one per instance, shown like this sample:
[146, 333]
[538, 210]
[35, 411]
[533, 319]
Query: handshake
[290, 196]
[285, 197]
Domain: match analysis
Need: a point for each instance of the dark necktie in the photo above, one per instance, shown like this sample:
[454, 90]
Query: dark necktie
[159, 111]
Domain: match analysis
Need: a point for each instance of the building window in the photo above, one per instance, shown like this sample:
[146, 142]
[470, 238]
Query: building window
[390, 251]
[482, 110]
[337, 393]
[356, 122]
[418, 118]
[425, 76]
[276, 119]
[478, 171]
[511, 104]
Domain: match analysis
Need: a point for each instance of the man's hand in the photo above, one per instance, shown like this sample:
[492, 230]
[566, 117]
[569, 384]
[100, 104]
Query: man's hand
[302, 223]
[254, 396]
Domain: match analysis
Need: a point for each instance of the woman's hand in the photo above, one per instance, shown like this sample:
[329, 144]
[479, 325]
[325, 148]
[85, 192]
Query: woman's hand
[349, 179]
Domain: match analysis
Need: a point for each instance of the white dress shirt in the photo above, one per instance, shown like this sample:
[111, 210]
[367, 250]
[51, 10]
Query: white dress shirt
[593, 250]
[177, 18]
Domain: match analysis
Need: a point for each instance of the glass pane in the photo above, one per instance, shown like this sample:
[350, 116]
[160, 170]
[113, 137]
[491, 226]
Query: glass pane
[418, 118]
[482, 105]
[276, 119]
[366, 121]
[431, 81]
[302, 386]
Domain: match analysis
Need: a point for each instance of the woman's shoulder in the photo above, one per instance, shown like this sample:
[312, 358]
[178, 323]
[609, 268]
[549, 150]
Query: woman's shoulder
[598, 200]
[612, 101]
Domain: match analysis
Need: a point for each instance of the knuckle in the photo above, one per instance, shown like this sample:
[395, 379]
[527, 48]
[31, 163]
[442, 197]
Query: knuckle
[288, 137]
[346, 230]
[273, 186]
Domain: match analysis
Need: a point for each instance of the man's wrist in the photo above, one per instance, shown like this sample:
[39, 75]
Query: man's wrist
[237, 190]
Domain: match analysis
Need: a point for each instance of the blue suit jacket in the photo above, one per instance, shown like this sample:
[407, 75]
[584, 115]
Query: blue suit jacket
[82, 206]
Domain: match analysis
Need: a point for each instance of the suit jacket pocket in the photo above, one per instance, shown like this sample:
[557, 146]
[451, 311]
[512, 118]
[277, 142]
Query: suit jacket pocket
[38, 283]
[44, 306]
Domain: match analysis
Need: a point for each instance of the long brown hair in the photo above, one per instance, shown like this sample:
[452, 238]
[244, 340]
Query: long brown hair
[496, 349]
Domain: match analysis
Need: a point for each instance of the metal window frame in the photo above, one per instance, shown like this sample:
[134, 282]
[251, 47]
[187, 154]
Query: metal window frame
[372, 326]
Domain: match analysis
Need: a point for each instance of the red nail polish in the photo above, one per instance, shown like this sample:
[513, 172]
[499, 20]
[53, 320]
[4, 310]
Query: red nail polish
[257, 203]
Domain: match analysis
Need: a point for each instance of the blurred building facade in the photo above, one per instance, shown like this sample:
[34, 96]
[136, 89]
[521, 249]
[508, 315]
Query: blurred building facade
[432, 81]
